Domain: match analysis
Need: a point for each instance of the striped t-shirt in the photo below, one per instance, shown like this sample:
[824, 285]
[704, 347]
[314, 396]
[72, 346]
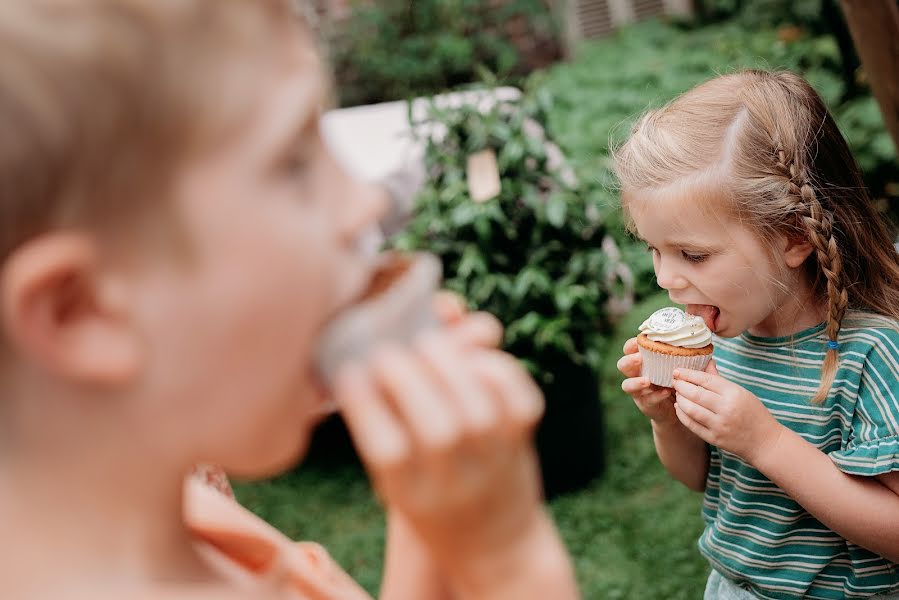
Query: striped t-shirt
[755, 534]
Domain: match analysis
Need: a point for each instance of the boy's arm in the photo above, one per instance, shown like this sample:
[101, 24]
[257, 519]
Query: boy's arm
[409, 571]
[682, 453]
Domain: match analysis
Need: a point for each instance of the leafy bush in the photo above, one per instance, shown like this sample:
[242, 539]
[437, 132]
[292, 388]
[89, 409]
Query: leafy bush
[394, 49]
[538, 255]
[601, 93]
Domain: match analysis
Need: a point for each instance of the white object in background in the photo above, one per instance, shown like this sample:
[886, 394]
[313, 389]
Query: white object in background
[375, 143]
[371, 142]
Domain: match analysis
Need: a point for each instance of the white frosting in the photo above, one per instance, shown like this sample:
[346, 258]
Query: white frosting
[675, 327]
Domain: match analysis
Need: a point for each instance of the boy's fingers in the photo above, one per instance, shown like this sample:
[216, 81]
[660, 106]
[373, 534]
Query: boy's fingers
[708, 381]
[469, 398]
[449, 306]
[520, 398]
[377, 434]
[417, 398]
[478, 329]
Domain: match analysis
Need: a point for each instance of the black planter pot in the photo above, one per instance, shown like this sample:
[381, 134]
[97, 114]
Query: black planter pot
[570, 438]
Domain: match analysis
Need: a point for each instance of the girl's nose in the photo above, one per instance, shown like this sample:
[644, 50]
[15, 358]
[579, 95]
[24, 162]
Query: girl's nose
[667, 277]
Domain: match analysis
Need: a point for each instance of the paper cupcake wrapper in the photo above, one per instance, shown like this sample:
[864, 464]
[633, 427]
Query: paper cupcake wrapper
[397, 313]
[658, 367]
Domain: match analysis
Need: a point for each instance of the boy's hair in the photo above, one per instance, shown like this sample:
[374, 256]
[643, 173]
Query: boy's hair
[768, 144]
[102, 100]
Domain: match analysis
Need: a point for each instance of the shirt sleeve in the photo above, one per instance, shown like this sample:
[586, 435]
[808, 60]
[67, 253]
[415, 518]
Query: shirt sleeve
[873, 443]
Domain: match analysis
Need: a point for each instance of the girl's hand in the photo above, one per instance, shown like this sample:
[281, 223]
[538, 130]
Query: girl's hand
[657, 403]
[723, 413]
[444, 429]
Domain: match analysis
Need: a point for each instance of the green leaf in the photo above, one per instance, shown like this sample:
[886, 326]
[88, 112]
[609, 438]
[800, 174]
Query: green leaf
[556, 210]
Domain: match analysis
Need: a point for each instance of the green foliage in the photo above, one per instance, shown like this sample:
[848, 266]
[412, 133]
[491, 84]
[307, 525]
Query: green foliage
[613, 81]
[534, 255]
[394, 49]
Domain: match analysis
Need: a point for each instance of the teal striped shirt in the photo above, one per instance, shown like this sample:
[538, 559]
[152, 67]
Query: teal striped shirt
[757, 535]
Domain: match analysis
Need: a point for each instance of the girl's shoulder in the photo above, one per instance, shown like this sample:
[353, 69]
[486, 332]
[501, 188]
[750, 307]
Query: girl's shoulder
[874, 336]
[861, 323]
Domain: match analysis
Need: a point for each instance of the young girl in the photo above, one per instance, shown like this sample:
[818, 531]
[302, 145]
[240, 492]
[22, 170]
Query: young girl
[174, 239]
[757, 220]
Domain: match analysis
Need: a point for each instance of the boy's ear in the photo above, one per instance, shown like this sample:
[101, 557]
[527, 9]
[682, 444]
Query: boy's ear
[62, 312]
[796, 250]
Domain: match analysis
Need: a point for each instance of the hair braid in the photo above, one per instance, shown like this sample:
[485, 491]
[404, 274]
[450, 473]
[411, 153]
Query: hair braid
[818, 224]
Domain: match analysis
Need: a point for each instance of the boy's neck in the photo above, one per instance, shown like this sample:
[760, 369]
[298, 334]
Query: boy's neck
[93, 519]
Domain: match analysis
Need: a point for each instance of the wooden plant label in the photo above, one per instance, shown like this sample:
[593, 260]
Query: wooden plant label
[483, 176]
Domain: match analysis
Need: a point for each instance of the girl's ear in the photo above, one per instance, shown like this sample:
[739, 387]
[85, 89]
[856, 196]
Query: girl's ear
[795, 250]
[62, 313]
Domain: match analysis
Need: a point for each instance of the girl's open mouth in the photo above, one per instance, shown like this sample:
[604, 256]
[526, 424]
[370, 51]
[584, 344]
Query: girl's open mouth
[710, 314]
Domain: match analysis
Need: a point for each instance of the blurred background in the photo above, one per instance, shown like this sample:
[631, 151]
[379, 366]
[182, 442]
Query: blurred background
[547, 86]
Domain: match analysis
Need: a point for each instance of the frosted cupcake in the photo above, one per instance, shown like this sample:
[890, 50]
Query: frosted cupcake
[671, 339]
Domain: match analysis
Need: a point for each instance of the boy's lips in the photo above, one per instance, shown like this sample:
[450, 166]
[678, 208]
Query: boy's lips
[710, 314]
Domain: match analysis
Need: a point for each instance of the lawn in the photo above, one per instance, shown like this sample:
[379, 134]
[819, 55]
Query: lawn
[632, 534]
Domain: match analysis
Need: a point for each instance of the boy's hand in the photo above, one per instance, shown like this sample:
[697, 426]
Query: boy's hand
[657, 403]
[723, 413]
[444, 429]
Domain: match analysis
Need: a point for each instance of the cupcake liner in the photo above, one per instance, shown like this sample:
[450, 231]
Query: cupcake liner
[658, 367]
[396, 313]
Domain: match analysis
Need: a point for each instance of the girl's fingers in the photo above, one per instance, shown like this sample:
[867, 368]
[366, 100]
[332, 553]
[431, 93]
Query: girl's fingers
[630, 364]
[469, 398]
[417, 398]
[711, 382]
[695, 411]
[377, 433]
[697, 394]
[630, 346]
[635, 385]
[701, 432]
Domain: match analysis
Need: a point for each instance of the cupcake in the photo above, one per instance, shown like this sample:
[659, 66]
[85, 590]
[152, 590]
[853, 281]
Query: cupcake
[671, 339]
[397, 304]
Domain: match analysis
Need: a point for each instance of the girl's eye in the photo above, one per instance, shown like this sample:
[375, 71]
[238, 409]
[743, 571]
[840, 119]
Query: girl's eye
[651, 249]
[694, 258]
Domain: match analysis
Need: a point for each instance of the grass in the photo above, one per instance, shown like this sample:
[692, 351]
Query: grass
[632, 534]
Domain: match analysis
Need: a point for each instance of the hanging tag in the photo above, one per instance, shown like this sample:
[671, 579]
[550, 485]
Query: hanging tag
[483, 176]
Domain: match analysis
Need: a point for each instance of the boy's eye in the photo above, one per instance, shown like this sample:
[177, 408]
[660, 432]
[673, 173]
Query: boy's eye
[651, 249]
[694, 258]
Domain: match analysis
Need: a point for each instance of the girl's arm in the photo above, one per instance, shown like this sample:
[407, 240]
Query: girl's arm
[860, 509]
[864, 510]
[682, 453]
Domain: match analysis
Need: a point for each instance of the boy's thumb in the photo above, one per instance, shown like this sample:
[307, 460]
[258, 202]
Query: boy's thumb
[711, 368]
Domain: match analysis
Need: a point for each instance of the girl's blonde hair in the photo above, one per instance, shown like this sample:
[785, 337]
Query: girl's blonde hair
[767, 140]
[102, 101]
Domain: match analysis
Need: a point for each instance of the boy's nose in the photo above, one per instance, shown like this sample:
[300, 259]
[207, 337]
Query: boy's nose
[364, 206]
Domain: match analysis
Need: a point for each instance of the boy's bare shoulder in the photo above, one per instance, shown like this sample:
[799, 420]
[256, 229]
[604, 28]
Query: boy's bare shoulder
[196, 592]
